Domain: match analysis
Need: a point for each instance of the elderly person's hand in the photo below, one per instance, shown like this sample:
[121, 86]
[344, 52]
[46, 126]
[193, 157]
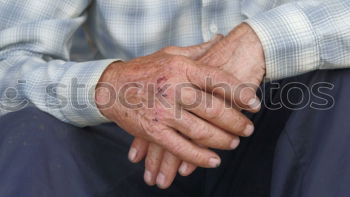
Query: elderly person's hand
[241, 54]
[155, 101]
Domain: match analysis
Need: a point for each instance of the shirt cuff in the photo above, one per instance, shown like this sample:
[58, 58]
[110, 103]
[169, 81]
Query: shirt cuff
[79, 83]
[289, 41]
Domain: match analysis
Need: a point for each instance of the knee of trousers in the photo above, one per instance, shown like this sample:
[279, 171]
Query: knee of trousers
[313, 149]
[37, 154]
[31, 127]
[31, 134]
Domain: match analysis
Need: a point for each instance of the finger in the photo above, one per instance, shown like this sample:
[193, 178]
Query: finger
[196, 51]
[215, 110]
[168, 169]
[185, 150]
[213, 58]
[218, 82]
[217, 53]
[152, 163]
[224, 47]
[138, 150]
[186, 168]
[204, 133]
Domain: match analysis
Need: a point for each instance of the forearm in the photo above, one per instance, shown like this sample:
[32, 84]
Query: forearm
[35, 61]
[304, 36]
[64, 89]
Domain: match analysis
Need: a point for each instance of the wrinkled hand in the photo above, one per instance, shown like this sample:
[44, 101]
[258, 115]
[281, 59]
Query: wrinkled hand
[139, 80]
[241, 54]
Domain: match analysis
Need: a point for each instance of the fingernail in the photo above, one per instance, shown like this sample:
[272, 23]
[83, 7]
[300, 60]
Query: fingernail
[254, 103]
[234, 143]
[147, 177]
[249, 129]
[132, 154]
[214, 162]
[183, 168]
[160, 180]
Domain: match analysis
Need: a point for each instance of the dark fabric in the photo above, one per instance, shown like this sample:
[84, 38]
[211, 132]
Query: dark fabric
[312, 155]
[43, 157]
[311, 128]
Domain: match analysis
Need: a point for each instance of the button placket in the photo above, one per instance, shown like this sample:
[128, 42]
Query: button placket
[213, 28]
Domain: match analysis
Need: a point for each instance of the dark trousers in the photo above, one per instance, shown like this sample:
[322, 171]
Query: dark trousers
[299, 149]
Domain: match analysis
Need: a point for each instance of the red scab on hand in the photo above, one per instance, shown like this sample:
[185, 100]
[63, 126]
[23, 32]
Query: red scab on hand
[160, 91]
[161, 79]
[155, 120]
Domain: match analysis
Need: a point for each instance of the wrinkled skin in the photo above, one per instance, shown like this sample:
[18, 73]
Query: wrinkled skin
[239, 53]
[236, 59]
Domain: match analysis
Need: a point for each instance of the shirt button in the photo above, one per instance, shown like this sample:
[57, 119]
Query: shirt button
[213, 28]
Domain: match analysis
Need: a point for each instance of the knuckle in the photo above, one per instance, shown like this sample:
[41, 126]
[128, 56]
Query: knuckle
[147, 128]
[247, 96]
[193, 131]
[144, 126]
[197, 156]
[149, 132]
[170, 49]
[151, 163]
[240, 123]
[188, 98]
[215, 113]
[176, 60]
[200, 132]
[162, 135]
[177, 148]
[155, 132]
[245, 93]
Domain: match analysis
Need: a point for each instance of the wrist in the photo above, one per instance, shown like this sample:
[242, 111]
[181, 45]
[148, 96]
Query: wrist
[248, 54]
[245, 36]
[106, 88]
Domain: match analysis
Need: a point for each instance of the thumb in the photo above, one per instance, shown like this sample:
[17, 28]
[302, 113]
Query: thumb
[196, 51]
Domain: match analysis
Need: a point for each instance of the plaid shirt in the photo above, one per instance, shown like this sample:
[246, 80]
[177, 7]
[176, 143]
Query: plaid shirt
[37, 66]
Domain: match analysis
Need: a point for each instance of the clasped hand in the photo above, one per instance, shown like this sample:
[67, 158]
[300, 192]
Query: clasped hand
[181, 101]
